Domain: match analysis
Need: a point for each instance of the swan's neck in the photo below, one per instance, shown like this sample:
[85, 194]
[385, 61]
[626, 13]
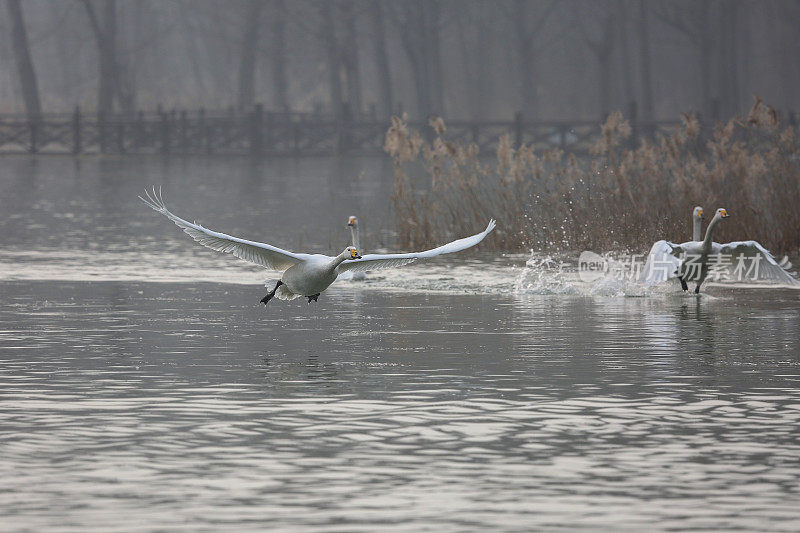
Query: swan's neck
[354, 237]
[697, 228]
[338, 260]
[709, 233]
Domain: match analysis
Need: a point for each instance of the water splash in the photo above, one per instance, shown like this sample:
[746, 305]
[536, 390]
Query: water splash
[546, 275]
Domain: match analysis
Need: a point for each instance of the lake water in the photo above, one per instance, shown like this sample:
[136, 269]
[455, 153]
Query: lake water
[143, 387]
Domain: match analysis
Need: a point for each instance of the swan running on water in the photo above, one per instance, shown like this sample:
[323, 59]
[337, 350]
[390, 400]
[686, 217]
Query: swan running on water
[304, 275]
[693, 260]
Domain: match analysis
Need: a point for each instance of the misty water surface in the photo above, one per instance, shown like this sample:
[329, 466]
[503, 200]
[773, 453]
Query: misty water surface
[143, 387]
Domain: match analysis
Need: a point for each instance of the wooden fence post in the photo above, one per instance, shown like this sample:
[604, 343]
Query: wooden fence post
[184, 133]
[121, 134]
[164, 130]
[518, 129]
[76, 130]
[101, 131]
[635, 127]
[138, 131]
[34, 125]
[343, 123]
[203, 127]
[256, 135]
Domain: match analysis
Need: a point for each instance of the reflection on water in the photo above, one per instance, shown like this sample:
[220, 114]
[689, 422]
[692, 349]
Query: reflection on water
[200, 406]
[457, 395]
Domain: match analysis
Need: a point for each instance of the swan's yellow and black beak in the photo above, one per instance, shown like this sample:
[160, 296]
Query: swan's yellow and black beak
[354, 254]
[700, 214]
[723, 213]
[351, 221]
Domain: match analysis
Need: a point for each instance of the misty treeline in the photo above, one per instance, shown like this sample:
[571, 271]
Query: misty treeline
[618, 198]
[467, 59]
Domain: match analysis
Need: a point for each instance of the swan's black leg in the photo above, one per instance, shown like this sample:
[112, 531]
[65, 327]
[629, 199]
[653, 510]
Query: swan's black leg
[697, 289]
[271, 293]
[313, 297]
[684, 286]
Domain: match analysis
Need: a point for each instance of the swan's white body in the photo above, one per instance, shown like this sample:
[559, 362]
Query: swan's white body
[696, 258]
[303, 274]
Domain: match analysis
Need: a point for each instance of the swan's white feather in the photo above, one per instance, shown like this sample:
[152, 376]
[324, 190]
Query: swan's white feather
[382, 261]
[283, 293]
[304, 274]
[768, 268]
[661, 264]
[268, 256]
[664, 261]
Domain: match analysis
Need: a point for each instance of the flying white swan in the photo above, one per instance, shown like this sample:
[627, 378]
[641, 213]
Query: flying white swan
[352, 223]
[694, 260]
[303, 274]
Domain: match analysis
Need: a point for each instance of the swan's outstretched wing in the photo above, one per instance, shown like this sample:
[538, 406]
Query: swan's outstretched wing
[662, 263]
[381, 261]
[270, 257]
[748, 260]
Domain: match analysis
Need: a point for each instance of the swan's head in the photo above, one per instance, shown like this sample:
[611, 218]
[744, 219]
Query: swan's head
[352, 221]
[698, 212]
[722, 213]
[351, 253]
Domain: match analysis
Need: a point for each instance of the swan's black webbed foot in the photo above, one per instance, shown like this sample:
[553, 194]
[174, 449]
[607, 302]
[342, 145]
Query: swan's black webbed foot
[271, 293]
[313, 297]
[684, 286]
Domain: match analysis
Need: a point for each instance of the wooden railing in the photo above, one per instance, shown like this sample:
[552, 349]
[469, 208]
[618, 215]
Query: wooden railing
[266, 133]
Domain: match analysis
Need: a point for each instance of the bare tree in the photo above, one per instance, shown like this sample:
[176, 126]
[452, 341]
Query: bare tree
[381, 59]
[247, 65]
[693, 20]
[349, 57]
[279, 59]
[474, 44]
[331, 43]
[22, 56]
[601, 46]
[110, 82]
[527, 29]
[644, 62]
[419, 23]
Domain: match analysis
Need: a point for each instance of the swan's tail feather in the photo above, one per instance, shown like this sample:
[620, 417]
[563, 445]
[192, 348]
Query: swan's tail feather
[283, 293]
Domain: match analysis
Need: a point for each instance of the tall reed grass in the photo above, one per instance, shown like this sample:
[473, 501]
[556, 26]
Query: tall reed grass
[616, 198]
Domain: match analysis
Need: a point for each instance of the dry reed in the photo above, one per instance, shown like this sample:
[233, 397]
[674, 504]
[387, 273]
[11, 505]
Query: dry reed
[615, 199]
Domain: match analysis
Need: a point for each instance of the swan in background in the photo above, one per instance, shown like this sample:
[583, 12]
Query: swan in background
[697, 223]
[694, 260]
[304, 275]
[352, 223]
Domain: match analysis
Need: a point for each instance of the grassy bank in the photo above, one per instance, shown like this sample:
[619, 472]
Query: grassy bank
[616, 198]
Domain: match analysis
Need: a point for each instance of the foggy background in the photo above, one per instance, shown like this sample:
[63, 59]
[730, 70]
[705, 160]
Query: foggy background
[458, 59]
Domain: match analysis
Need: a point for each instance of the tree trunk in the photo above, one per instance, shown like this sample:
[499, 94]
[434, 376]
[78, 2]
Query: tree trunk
[385, 104]
[328, 30]
[526, 58]
[106, 37]
[433, 57]
[625, 54]
[247, 65]
[279, 79]
[412, 39]
[22, 56]
[108, 50]
[729, 79]
[644, 64]
[350, 59]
